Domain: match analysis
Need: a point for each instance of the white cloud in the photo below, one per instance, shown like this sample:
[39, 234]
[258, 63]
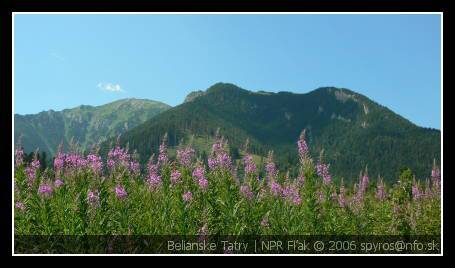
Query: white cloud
[57, 56]
[110, 87]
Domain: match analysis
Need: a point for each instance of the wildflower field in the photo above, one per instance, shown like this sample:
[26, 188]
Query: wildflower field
[88, 195]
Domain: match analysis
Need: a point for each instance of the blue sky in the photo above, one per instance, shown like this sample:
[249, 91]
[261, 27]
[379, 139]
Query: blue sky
[62, 61]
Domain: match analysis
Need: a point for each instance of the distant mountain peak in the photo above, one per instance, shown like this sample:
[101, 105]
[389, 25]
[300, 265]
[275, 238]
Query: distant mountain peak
[86, 124]
[193, 95]
[219, 87]
[223, 87]
[135, 102]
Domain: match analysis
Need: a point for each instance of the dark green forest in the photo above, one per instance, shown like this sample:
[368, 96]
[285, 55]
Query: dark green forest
[352, 131]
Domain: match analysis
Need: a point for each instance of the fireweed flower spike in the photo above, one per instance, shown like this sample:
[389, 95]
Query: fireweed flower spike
[246, 192]
[118, 157]
[212, 163]
[250, 166]
[198, 173]
[203, 184]
[35, 164]
[120, 192]
[323, 172]
[75, 162]
[224, 161]
[270, 168]
[185, 156]
[31, 174]
[217, 146]
[276, 189]
[59, 161]
[31, 170]
[135, 167]
[199, 177]
[93, 198]
[151, 167]
[304, 157]
[45, 190]
[362, 188]
[175, 177]
[380, 192]
[291, 193]
[416, 194]
[302, 146]
[19, 153]
[296, 200]
[19, 156]
[58, 183]
[220, 157]
[20, 206]
[187, 197]
[301, 180]
[154, 181]
[110, 164]
[95, 163]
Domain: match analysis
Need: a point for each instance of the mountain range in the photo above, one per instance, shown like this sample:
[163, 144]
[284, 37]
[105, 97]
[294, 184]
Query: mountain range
[85, 124]
[352, 131]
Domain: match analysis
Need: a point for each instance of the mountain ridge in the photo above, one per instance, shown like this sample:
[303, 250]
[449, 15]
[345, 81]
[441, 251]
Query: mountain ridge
[348, 126]
[87, 106]
[87, 124]
[353, 131]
